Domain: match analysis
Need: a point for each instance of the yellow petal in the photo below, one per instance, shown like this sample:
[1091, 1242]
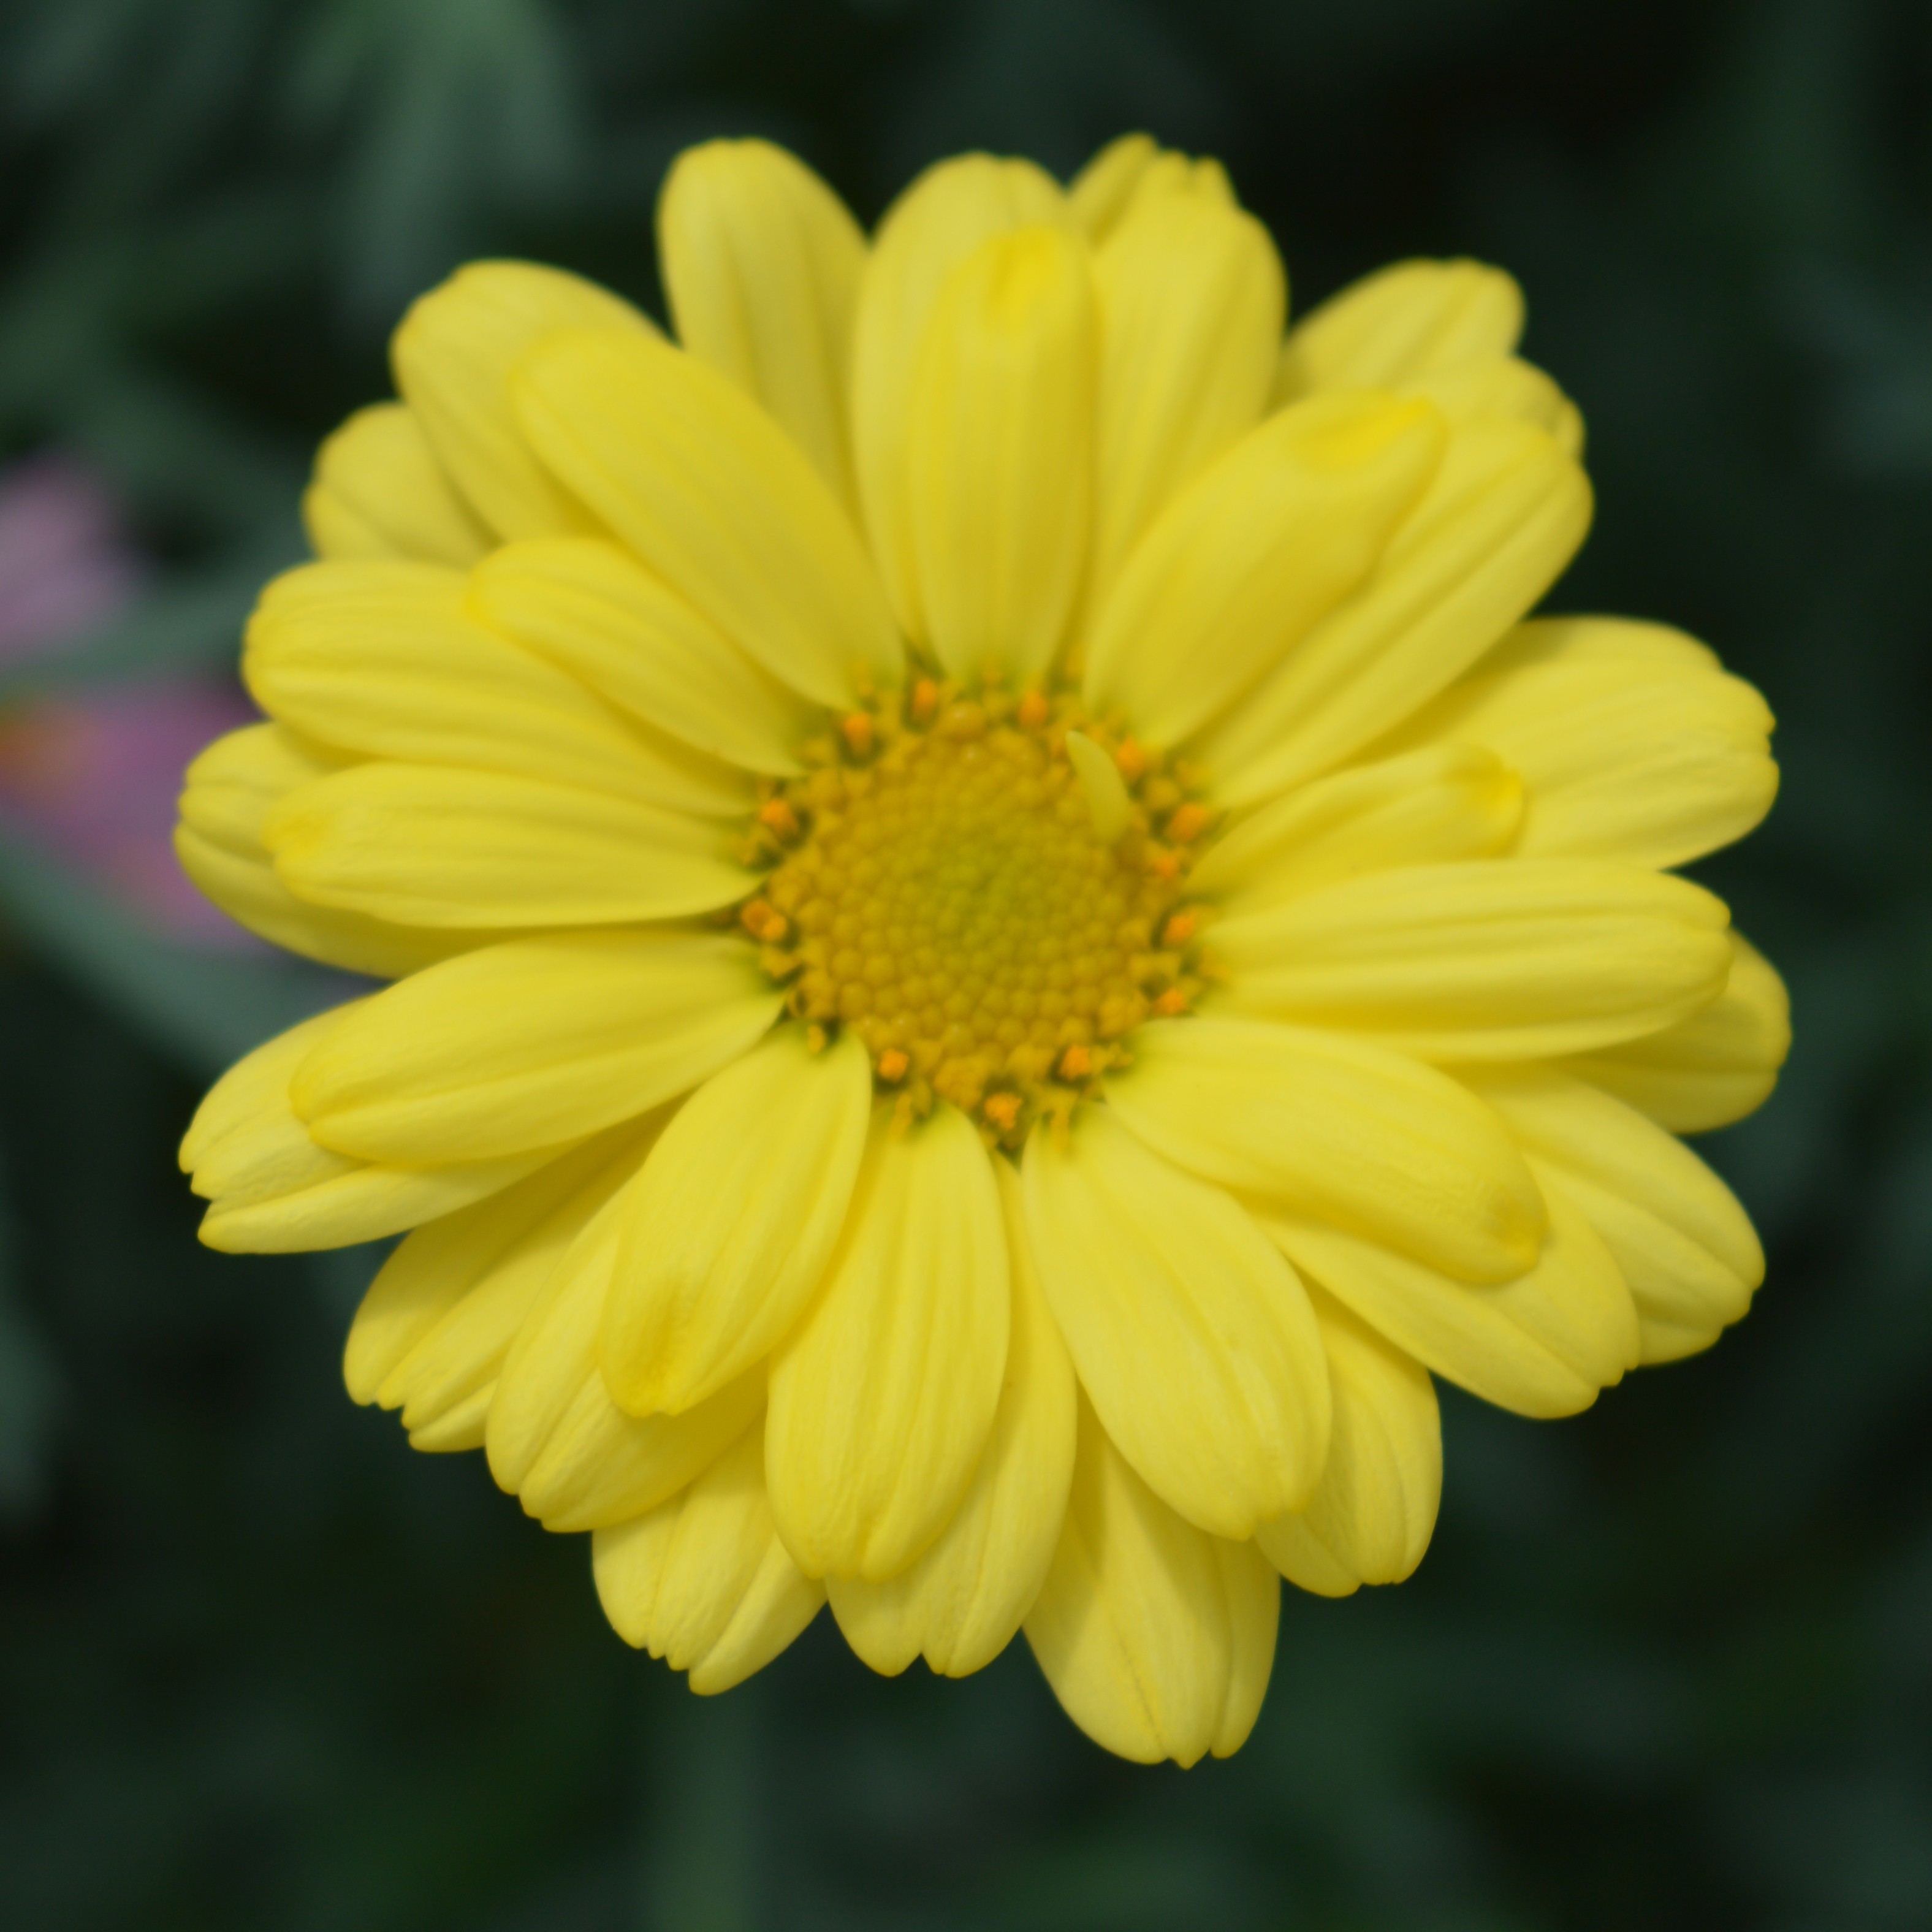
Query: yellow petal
[231, 788]
[1252, 555]
[438, 1320]
[932, 227]
[1687, 1250]
[1502, 385]
[1341, 1130]
[762, 263]
[1497, 959]
[380, 659]
[1192, 298]
[275, 1191]
[1403, 323]
[1542, 1344]
[1193, 1340]
[882, 1399]
[727, 1232]
[556, 1439]
[1130, 173]
[453, 356]
[1445, 802]
[962, 1602]
[1372, 1513]
[1623, 640]
[378, 491]
[462, 1427]
[431, 845]
[716, 500]
[1254, 1616]
[1156, 1643]
[1108, 804]
[1646, 757]
[1712, 1069]
[1000, 453]
[1501, 517]
[703, 1581]
[531, 1042]
[596, 612]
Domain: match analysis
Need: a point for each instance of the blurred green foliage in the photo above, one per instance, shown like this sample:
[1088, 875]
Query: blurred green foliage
[1668, 1664]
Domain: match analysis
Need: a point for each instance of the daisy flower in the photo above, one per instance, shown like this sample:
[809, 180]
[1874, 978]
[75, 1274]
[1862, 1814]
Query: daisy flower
[1004, 939]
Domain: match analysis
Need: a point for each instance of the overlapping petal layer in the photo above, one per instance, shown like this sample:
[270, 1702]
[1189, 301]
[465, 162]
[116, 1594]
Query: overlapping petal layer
[1098, 1343]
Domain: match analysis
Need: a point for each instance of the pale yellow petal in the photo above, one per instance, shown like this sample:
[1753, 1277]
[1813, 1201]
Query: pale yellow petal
[1404, 322]
[432, 845]
[762, 264]
[531, 1042]
[1499, 520]
[1542, 1344]
[1000, 454]
[1251, 557]
[274, 1191]
[1652, 758]
[558, 1443]
[883, 1399]
[927, 232]
[1712, 1069]
[461, 1428]
[1338, 1129]
[1192, 1338]
[727, 1233]
[1624, 640]
[231, 788]
[1687, 1250]
[960, 1604]
[1443, 802]
[1372, 1515]
[1109, 804]
[453, 356]
[380, 659]
[1254, 1618]
[1101, 191]
[717, 500]
[703, 1581]
[1502, 385]
[434, 1327]
[1496, 958]
[1152, 1640]
[1193, 295]
[378, 491]
[595, 612]
[1133, 171]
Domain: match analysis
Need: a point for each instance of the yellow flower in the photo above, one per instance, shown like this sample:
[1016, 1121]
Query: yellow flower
[1004, 939]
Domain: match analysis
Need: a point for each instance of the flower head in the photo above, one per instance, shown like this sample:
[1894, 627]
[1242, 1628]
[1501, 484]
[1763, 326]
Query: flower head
[1005, 940]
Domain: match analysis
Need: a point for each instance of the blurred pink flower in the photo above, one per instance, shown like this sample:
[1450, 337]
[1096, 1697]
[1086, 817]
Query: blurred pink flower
[91, 775]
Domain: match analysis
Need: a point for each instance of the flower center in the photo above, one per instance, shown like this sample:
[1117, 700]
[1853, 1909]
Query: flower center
[941, 885]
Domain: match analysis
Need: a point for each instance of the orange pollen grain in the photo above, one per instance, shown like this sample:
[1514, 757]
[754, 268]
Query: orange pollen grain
[856, 729]
[893, 1064]
[1171, 1004]
[1002, 1110]
[764, 922]
[777, 817]
[1076, 1064]
[1187, 823]
[1180, 929]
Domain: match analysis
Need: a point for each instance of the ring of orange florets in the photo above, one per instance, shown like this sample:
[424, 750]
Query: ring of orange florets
[937, 885]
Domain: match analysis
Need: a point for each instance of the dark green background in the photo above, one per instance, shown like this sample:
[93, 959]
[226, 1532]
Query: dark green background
[1667, 1664]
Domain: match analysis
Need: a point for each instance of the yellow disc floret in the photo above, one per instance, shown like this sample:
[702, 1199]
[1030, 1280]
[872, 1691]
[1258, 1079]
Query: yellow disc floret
[940, 887]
